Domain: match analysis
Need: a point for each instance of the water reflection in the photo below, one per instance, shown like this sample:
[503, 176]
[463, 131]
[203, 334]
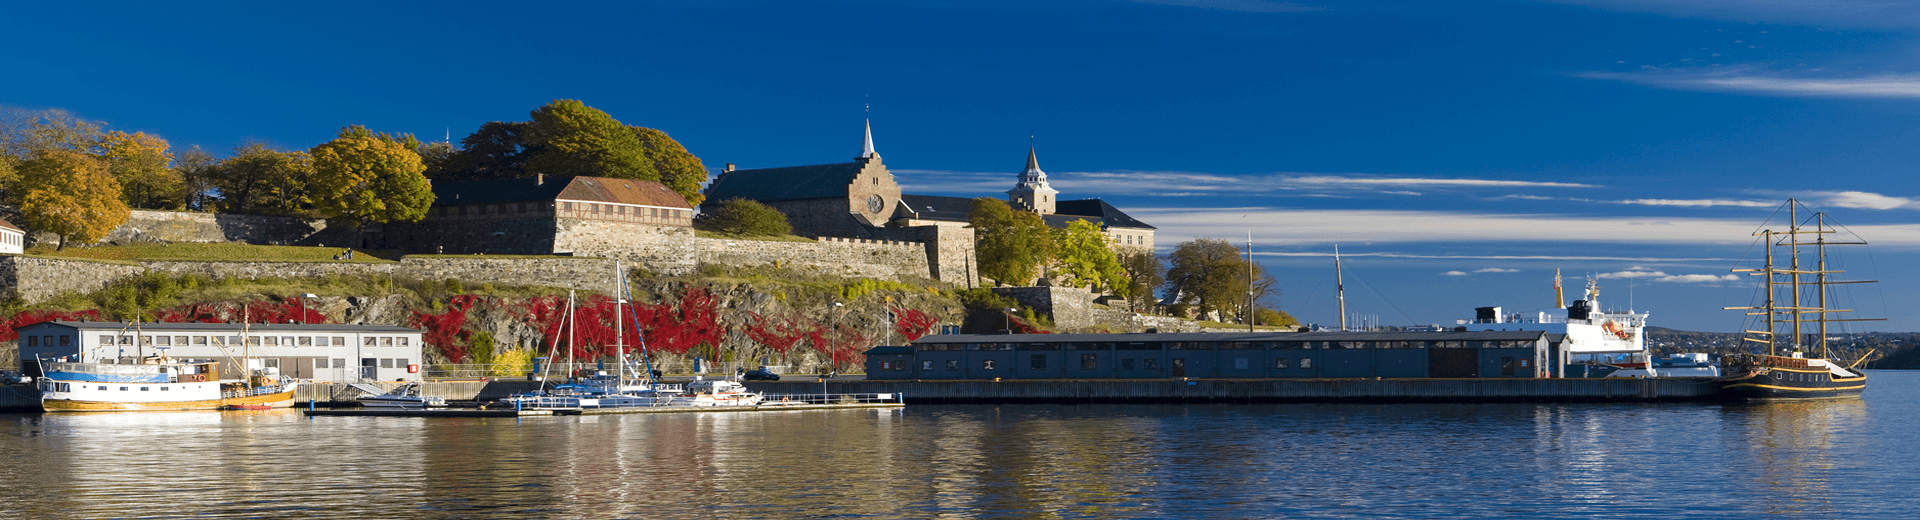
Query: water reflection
[1789, 451]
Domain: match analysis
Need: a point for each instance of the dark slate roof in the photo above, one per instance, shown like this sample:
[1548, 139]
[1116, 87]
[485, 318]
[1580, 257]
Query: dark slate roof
[223, 327]
[889, 349]
[935, 207]
[1486, 335]
[790, 183]
[1098, 209]
[600, 189]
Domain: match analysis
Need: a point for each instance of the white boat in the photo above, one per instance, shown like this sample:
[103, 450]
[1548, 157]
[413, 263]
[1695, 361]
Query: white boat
[157, 384]
[1693, 364]
[719, 392]
[406, 397]
[1595, 342]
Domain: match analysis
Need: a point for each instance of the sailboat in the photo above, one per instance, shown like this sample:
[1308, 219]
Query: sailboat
[1796, 295]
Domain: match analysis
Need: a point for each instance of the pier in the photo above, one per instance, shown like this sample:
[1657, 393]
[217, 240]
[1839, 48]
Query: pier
[1371, 390]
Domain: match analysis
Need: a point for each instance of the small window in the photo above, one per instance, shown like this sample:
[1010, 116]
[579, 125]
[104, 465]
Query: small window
[271, 341]
[180, 340]
[307, 341]
[953, 364]
[163, 389]
[126, 340]
[123, 389]
[386, 342]
[1038, 361]
[163, 340]
[339, 363]
[986, 364]
[1239, 363]
[66, 341]
[320, 363]
[1126, 364]
[1306, 362]
[106, 339]
[340, 341]
[103, 389]
[33, 341]
[403, 341]
[386, 363]
[370, 342]
[926, 365]
[1280, 363]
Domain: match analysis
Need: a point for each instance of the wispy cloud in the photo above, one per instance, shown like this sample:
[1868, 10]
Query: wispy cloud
[1702, 203]
[1455, 273]
[1246, 6]
[1315, 226]
[1663, 277]
[1755, 81]
[1497, 270]
[1498, 257]
[1166, 183]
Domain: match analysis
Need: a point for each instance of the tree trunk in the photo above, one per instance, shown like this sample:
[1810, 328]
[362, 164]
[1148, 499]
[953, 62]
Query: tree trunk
[63, 244]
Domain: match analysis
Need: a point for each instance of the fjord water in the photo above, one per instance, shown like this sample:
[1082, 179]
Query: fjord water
[1798, 460]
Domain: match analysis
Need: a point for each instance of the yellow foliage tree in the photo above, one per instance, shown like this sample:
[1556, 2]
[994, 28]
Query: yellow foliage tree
[140, 162]
[362, 177]
[70, 194]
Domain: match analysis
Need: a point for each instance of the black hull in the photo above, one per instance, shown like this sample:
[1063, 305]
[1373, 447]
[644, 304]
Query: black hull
[1789, 384]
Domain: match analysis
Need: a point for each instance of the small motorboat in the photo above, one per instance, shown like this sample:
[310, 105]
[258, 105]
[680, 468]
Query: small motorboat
[407, 397]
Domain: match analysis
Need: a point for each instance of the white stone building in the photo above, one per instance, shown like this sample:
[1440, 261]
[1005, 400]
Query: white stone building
[13, 240]
[323, 353]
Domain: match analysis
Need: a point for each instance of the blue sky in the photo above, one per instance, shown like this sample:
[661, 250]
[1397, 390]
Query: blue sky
[1458, 152]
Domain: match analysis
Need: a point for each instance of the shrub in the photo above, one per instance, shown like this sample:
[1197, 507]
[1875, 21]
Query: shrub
[745, 217]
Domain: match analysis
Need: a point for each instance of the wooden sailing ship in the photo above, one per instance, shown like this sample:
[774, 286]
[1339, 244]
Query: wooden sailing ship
[1795, 312]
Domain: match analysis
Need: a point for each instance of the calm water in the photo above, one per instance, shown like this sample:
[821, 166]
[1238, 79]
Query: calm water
[1820, 460]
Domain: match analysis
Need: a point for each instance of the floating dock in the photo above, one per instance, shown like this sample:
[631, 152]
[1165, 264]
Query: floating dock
[494, 412]
[1368, 390]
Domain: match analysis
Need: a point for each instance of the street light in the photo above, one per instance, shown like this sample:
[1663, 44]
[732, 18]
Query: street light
[833, 340]
[1007, 319]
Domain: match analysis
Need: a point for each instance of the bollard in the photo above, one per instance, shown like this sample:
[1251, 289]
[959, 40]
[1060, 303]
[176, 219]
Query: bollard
[309, 405]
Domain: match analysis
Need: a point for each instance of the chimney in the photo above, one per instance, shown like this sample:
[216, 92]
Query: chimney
[729, 168]
[539, 179]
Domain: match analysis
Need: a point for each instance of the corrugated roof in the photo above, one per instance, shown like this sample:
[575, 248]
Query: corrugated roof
[789, 183]
[1493, 335]
[1098, 209]
[598, 189]
[262, 328]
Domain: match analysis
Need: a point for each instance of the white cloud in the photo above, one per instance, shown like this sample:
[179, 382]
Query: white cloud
[1632, 274]
[1699, 278]
[1864, 200]
[1246, 6]
[1166, 183]
[1497, 270]
[1702, 203]
[1330, 226]
[1848, 13]
[1455, 273]
[1750, 80]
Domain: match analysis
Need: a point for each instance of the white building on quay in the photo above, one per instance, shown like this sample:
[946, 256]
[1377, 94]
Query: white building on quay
[323, 353]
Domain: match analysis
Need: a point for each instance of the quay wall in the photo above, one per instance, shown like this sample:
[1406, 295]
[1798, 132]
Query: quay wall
[1266, 390]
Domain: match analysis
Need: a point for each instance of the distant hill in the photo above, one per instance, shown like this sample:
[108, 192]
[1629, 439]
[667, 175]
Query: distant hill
[1890, 349]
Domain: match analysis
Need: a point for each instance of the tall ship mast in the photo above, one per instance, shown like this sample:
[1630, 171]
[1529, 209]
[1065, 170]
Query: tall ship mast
[1798, 363]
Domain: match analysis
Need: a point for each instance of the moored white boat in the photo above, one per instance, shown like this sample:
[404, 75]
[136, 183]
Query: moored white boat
[406, 397]
[158, 384]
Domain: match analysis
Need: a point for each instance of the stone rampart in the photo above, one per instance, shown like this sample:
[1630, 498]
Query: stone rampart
[594, 274]
[37, 279]
[1069, 307]
[887, 259]
[148, 227]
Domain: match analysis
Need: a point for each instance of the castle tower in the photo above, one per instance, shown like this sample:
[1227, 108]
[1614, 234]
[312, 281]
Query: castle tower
[1032, 192]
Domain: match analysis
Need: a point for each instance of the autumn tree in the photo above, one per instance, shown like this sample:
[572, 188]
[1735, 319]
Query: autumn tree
[24, 133]
[196, 168]
[143, 165]
[1144, 273]
[1085, 254]
[1211, 272]
[1011, 245]
[678, 169]
[259, 180]
[70, 194]
[361, 177]
[572, 138]
[745, 217]
[497, 151]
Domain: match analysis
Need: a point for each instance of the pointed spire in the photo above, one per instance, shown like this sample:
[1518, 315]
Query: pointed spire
[866, 148]
[1033, 162]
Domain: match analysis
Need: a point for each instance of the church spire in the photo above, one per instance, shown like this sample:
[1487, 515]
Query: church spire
[1033, 163]
[866, 148]
[1031, 192]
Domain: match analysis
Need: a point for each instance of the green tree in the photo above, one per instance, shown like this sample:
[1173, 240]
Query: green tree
[574, 139]
[1144, 273]
[196, 168]
[497, 151]
[142, 163]
[70, 194]
[1086, 255]
[678, 169]
[745, 217]
[1211, 272]
[1011, 245]
[361, 177]
[1270, 317]
[262, 181]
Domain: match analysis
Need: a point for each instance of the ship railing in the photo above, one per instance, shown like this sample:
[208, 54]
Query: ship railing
[836, 399]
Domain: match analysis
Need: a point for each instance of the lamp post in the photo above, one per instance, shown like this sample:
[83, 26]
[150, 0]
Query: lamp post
[1007, 319]
[833, 342]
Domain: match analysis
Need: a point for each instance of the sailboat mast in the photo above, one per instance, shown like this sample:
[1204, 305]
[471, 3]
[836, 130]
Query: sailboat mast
[1820, 278]
[1340, 287]
[1250, 313]
[1772, 342]
[619, 329]
[570, 329]
[1793, 267]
